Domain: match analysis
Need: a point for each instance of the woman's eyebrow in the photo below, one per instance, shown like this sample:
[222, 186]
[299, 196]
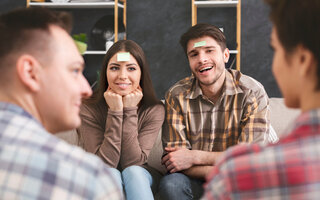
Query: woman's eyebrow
[114, 64]
[129, 64]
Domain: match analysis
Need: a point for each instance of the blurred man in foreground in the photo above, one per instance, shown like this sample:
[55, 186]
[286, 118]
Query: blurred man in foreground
[41, 87]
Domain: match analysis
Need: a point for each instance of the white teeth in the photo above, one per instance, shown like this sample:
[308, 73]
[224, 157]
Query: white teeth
[204, 69]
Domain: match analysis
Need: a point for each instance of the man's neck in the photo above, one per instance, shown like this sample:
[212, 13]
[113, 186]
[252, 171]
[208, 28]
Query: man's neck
[214, 91]
[23, 100]
[310, 101]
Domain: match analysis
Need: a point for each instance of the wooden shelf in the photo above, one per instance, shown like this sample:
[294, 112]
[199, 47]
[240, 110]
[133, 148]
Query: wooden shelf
[89, 5]
[76, 5]
[233, 51]
[92, 52]
[212, 4]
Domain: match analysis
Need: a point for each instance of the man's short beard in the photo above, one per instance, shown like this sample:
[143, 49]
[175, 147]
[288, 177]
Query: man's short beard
[213, 81]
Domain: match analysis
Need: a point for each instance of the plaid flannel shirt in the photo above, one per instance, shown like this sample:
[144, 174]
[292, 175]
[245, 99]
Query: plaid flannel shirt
[286, 170]
[239, 115]
[36, 165]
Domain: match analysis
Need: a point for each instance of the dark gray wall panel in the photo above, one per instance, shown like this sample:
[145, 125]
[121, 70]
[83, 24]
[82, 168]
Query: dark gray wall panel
[256, 55]
[158, 24]
[7, 5]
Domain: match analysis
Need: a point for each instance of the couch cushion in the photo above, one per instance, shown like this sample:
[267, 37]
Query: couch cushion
[281, 116]
[69, 136]
[155, 155]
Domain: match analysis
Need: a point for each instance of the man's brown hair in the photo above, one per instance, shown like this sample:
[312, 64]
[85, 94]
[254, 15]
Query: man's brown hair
[27, 31]
[201, 30]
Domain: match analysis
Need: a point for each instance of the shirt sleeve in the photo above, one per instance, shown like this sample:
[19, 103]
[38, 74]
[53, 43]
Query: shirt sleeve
[104, 142]
[216, 186]
[243, 172]
[174, 132]
[255, 122]
[221, 179]
[137, 141]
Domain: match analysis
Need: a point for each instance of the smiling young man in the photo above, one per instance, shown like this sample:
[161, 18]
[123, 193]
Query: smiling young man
[42, 85]
[208, 112]
[290, 168]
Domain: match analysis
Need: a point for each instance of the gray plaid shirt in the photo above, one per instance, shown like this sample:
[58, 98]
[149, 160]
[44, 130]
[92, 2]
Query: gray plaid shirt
[36, 165]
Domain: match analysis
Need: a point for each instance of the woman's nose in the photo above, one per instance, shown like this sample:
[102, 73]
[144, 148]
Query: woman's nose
[123, 74]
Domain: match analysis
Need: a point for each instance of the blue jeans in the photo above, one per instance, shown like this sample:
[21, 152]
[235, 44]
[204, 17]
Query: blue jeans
[136, 182]
[177, 186]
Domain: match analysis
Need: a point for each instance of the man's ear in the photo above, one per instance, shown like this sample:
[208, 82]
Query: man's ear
[226, 55]
[28, 69]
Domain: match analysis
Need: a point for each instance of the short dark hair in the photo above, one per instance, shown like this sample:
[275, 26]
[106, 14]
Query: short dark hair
[201, 30]
[149, 97]
[26, 30]
[297, 23]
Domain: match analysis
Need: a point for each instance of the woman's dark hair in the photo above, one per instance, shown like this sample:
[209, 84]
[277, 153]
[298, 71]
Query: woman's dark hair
[149, 97]
[297, 22]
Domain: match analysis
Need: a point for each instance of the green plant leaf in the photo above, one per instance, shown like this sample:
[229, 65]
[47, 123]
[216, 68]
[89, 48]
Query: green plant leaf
[82, 47]
[82, 37]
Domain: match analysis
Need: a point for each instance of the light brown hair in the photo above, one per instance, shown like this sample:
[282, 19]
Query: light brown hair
[27, 30]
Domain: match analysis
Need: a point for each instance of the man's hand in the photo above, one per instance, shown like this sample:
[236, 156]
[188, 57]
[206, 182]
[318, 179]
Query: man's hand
[177, 159]
[113, 100]
[132, 99]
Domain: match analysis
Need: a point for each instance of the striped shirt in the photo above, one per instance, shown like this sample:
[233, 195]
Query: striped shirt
[286, 170]
[36, 165]
[239, 115]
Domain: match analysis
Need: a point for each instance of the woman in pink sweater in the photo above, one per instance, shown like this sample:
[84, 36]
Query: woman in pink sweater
[122, 119]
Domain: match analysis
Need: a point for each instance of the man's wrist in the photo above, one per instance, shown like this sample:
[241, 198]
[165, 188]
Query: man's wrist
[204, 157]
[196, 160]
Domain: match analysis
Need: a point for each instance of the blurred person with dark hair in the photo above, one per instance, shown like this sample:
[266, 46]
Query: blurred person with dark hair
[290, 168]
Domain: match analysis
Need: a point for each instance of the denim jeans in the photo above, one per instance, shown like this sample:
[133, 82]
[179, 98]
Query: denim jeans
[136, 182]
[178, 186]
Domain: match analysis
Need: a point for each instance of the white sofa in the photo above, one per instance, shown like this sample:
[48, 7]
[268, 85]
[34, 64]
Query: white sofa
[280, 117]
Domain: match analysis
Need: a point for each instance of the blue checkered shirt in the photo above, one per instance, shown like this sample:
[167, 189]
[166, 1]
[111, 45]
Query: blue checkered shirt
[36, 165]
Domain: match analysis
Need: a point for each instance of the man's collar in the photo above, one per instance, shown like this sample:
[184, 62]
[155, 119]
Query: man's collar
[195, 89]
[230, 85]
[13, 108]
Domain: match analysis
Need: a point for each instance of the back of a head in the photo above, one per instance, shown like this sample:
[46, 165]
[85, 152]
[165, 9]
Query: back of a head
[201, 30]
[26, 30]
[297, 23]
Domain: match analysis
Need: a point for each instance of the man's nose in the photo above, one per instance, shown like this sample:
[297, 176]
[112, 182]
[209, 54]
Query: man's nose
[203, 58]
[86, 90]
